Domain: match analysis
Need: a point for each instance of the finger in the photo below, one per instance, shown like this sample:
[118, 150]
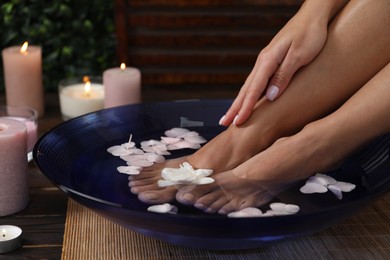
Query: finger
[268, 65]
[283, 75]
[246, 108]
[232, 112]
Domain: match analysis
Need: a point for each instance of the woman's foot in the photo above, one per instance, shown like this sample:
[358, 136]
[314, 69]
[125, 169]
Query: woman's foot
[224, 152]
[257, 180]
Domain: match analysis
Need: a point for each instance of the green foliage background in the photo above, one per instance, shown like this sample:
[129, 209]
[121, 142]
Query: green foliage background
[77, 36]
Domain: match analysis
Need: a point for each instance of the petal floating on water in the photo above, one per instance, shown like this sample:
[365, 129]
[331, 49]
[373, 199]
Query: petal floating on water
[336, 191]
[176, 132]
[131, 170]
[312, 187]
[163, 208]
[345, 186]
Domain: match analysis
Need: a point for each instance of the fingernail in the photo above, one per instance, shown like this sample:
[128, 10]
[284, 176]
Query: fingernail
[272, 92]
[222, 120]
[235, 120]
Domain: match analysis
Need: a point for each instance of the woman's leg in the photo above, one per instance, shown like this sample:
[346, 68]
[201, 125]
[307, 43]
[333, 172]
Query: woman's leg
[317, 147]
[317, 89]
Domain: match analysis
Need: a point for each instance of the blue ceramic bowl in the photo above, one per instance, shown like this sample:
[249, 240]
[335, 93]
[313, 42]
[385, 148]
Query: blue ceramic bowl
[73, 156]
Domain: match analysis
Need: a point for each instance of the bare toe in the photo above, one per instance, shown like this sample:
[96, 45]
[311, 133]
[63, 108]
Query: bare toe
[158, 196]
[188, 195]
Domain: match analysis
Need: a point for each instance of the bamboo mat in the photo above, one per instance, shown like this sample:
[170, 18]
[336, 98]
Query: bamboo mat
[364, 236]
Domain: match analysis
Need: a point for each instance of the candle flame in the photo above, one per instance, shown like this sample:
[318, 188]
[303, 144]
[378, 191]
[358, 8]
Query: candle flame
[123, 66]
[4, 232]
[23, 50]
[87, 88]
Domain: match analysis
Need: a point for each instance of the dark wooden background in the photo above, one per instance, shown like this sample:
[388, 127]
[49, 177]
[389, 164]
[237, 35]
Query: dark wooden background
[196, 48]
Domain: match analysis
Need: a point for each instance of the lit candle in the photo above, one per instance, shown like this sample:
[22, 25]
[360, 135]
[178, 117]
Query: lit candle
[10, 238]
[122, 86]
[78, 97]
[23, 76]
[13, 164]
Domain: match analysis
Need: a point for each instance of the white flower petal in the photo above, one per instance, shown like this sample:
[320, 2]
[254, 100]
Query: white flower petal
[176, 132]
[205, 180]
[163, 208]
[133, 157]
[345, 186]
[252, 211]
[195, 139]
[141, 163]
[323, 179]
[131, 170]
[278, 206]
[203, 172]
[150, 143]
[312, 187]
[128, 145]
[169, 140]
[336, 191]
[292, 208]
[246, 213]
[155, 158]
[183, 145]
[165, 183]
[118, 150]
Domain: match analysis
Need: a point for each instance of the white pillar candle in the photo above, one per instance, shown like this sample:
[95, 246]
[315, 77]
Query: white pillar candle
[14, 194]
[122, 86]
[23, 77]
[80, 96]
[10, 238]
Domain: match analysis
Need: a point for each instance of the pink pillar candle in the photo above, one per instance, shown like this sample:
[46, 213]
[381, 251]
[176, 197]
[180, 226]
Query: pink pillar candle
[23, 77]
[122, 86]
[25, 115]
[14, 194]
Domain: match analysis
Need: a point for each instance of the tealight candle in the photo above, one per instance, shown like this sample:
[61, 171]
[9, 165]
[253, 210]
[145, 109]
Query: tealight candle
[80, 96]
[122, 86]
[10, 238]
[13, 166]
[23, 77]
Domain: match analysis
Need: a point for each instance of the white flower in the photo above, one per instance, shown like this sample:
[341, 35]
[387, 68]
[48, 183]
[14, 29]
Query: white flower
[186, 174]
[321, 183]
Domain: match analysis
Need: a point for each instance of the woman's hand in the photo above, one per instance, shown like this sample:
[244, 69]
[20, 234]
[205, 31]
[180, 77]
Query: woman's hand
[297, 44]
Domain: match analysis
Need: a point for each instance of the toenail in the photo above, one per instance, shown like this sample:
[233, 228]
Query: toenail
[200, 206]
[189, 197]
[134, 190]
[222, 212]
[150, 196]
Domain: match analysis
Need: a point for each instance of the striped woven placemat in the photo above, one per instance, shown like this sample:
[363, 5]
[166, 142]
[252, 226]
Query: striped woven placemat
[364, 236]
